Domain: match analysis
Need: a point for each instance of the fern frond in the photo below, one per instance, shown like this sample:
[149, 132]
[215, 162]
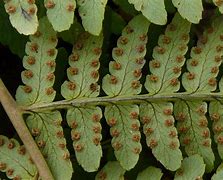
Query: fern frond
[205, 60]
[112, 171]
[124, 80]
[60, 13]
[193, 130]
[150, 9]
[169, 58]
[151, 173]
[40, 65]
[83, 75]
[22, 15]
[190, 10]
[192, 167]
[219, 174]
[48, 133]
[15, 161]
[92, 15]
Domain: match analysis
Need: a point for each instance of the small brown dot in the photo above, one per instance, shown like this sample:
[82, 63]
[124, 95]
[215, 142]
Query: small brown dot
[203, 122]
[194, 62]
[185, 37]
[210, 30]
[49, 4]
[173, 145]
[137, 73]
[123, 40]
[197, 50]
[219, 48]
[94, 74]
[176, 70]
[134, 115]
[95, 63]
[31, 1]
[181, 116]
[74, 57]
[136, 150]
[179, 58]
[2, 141]
[172, 27]
[102, 175]
[96, 118]
[34, 47]
[70, 8]
[75, 135]
[74, 124]
[201, 110]
[148, 131]
[94, 87]
[135, 84]
[146, 120]
[118, 51]
[51, 52]
[115, 133]
[31, 60]
[217, 129]
[31, 11]
[172, 134]
[153, 143]
[212, 82]
[60, 134]
[9, 172]
[41, 143]
[129, 30]
[53, 39]
[206, 143]
[11, 144]
[96, 140]
[97, 129]
[182, 47]
[97, 51]
[174, 82]
[215, 117]
[203, 39]
[160, 50]
[62, 145]
[27, 89]
[35, 132]
[139, 61]
[186, 141]
[116, 65]
[113, 79]
[220, 140]
[143, 37]
[153, 78]
[136, 137]
[135, 127]
[2, 166]
[166, 40]
[11, 9]
[140, 48]
[168, 122]
[51, 64]
[78, 46]
[182, 129]
[214, 70]
[71, 86]
[50, 77]
[49, 91]
[205, 134]
[218, 58]
[167, 111]
[22, 150]
[117, 146]
[37, 34]
[78, 147]
[28, 74]
[155, 63]
[66, 156]
[190, 76]
[112, 122]
[221, 36]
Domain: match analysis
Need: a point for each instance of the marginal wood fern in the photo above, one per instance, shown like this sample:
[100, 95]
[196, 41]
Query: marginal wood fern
[172, 102]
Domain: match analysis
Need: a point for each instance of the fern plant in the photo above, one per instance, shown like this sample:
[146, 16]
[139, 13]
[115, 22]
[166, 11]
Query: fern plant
[148, 107]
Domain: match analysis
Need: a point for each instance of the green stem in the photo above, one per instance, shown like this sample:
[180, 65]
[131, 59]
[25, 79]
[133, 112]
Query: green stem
[121, 99]
[15, 115]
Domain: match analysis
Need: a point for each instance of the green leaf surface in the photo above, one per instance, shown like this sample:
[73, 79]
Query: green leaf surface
[22, 15]
[216, 114]
[126, 69]
[111, 171]
[192, 127]
[150, 173]
[124, 123]
[192, 167]
[83, 71]
[190, 10]
[92, 14]
[205, 60]
[60, 13]
[48, 133]
[161, 135]
[153, 10]
[15, 161]
[168, 58]
[86, 136]
[40, 65]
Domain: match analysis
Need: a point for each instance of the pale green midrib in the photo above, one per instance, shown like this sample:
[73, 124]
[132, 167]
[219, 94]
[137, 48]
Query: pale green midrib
[106, 100]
